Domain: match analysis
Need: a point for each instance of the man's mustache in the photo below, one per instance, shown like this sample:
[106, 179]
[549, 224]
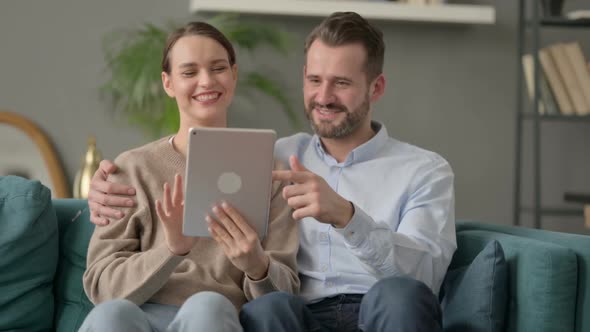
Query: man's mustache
[330, 106]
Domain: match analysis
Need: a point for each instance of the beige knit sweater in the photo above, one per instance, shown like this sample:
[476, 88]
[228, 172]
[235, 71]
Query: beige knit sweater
[129, 258]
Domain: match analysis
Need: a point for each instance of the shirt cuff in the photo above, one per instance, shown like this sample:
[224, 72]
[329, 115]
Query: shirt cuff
[357, 229]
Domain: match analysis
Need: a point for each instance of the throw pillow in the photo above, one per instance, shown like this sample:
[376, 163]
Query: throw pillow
[28, 255]
[474, 297]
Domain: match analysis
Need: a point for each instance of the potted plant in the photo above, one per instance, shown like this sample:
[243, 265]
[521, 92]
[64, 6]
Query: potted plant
[133, 61]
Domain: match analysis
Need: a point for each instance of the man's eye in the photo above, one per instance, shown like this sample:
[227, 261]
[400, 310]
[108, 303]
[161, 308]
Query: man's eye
[188, 73]
[219, 69]
[342, 83]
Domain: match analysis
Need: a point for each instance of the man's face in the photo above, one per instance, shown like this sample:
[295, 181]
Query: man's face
[335, 89]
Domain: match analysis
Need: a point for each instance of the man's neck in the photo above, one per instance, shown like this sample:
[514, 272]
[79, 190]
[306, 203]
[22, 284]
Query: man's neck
[340, 148]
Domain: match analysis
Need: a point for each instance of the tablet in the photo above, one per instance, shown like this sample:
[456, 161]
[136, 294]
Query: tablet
[228, 164]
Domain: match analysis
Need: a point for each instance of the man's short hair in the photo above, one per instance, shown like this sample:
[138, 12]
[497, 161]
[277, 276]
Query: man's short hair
[342, 28]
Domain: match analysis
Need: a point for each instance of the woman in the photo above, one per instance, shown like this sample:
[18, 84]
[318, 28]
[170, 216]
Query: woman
[151, 275]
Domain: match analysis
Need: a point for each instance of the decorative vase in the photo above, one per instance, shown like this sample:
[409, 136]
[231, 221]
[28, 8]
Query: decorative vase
[89, 165]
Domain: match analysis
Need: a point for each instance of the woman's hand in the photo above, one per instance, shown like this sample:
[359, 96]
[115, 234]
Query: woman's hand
[171, 217]
[239, 241]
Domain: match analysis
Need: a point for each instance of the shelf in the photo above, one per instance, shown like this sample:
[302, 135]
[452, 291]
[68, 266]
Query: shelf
[530, 41]
[557, 212]
[448, 13]
[557, 117]
[565, 22]
[576, 197]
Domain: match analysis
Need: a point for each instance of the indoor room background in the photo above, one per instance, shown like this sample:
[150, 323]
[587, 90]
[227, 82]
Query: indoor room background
[450, 89]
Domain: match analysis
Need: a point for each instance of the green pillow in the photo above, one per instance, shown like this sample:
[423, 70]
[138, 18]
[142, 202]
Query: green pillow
[28, 255]
[475, 296]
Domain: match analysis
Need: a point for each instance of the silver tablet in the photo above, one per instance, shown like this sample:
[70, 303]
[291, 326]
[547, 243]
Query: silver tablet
[228, 164]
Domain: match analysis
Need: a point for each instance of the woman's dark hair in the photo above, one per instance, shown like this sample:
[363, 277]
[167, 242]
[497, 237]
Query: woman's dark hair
[196, 29]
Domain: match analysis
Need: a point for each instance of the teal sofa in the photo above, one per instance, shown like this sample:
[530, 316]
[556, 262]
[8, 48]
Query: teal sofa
[41, 288]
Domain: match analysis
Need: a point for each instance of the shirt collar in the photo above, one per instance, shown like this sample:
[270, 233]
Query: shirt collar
[366, 151]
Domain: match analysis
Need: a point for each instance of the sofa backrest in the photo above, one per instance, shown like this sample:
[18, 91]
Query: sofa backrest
[75, 229]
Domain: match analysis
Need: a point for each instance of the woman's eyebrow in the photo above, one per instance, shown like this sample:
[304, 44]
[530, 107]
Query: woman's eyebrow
[188, 65]
[194, 64]
[219, 60]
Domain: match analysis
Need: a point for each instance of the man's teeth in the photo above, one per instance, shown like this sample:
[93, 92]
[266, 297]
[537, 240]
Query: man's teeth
[325, 111]
[207, 97]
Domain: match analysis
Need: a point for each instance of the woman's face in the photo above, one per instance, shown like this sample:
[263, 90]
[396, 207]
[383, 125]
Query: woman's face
[201, 80]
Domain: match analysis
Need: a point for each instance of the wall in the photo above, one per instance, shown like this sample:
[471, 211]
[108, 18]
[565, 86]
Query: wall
[451, 89]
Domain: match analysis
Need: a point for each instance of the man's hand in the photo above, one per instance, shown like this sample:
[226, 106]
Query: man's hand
[310, 196]
[239, 241]
[170, 213]
[102, 195]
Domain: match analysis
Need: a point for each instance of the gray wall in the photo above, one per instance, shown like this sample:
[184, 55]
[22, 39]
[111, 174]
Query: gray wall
[450, 89]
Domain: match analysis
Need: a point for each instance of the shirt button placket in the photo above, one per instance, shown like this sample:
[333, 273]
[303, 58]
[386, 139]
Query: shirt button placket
[324, 240]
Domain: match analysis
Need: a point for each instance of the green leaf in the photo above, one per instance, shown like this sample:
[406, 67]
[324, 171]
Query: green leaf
[272, 89]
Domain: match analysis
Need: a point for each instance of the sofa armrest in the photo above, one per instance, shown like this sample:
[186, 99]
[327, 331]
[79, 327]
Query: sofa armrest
[75, 229]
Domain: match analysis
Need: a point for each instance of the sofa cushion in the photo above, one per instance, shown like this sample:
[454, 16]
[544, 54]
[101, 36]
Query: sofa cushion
[28, 255]
[75, 230]
[542, 279]
[474, 296]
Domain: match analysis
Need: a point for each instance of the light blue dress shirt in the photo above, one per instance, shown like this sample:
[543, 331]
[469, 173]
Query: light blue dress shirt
[404, 219]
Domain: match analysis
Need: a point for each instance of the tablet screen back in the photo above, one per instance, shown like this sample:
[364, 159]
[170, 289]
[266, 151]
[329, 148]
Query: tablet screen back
[228, 164]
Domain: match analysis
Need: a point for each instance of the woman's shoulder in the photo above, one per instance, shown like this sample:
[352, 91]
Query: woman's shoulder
[131, 164]
[142, 154]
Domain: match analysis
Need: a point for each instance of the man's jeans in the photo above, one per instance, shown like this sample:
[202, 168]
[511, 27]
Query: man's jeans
[392, 304]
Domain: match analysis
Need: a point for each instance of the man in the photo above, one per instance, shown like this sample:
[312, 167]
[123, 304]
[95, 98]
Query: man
[376, 214]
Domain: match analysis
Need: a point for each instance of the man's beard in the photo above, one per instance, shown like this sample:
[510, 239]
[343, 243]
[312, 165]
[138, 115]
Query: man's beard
[352, 121]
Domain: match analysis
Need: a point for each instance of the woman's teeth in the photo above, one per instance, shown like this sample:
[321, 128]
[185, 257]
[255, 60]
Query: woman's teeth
[207, 97]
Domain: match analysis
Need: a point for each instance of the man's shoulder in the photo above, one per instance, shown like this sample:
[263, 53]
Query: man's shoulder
[291, 145]
[418, 156]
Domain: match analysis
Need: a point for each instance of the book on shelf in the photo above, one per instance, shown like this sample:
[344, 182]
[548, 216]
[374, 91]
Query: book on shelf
[578, 62]
[587, 215]
[547, 103]
[582, 14]
[555, 82]
[568, 75]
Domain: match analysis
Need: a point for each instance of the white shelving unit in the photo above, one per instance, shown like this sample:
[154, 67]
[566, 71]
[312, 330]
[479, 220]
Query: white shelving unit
[445, 13]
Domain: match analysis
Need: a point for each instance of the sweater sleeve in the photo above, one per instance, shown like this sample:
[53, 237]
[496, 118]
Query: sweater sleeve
[116, 265]
[281, 245]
